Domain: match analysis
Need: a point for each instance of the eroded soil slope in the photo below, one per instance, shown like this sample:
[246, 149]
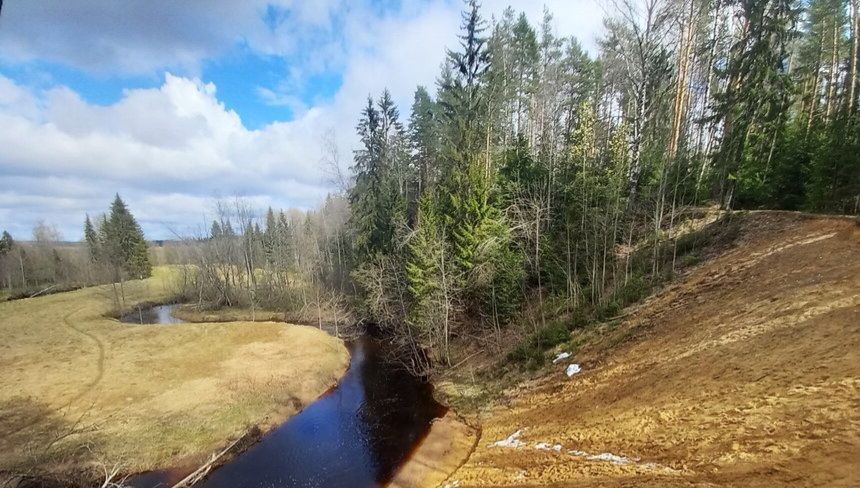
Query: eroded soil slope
[745, 372]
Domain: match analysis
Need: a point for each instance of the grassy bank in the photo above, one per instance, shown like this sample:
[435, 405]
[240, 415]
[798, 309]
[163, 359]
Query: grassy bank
[81, 390]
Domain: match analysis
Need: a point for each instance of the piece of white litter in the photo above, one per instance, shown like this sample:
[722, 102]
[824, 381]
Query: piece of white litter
[572, 370]
[547, 447]
[512, 440]
[560, 357]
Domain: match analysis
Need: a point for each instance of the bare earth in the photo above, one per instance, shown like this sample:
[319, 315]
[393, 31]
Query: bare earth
[745, 372]
[79, 390]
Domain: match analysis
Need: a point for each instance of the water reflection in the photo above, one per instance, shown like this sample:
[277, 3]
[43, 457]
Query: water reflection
[158, 314]
[354, 436]
[357, 435]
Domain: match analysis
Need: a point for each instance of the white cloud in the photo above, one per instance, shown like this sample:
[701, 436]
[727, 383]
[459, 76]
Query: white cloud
[175, 140]
[169, 149]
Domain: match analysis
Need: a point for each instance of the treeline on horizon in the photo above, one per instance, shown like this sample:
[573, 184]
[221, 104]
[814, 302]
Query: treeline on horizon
[115, 251]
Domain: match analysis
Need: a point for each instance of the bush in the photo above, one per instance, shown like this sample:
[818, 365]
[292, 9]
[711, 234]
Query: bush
[531, 351]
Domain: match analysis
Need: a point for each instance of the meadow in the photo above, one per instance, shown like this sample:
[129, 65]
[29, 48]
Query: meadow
[82, 392]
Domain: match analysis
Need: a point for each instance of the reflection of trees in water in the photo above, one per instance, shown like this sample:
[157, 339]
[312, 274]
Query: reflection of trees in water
[397, 410]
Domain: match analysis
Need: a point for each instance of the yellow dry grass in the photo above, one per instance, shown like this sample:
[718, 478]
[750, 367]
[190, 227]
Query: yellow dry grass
[78, 388]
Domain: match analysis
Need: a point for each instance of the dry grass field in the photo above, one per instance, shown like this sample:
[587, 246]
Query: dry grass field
[79, 389]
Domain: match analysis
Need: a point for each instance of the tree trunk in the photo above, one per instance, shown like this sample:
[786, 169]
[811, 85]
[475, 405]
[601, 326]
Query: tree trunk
[855, 46]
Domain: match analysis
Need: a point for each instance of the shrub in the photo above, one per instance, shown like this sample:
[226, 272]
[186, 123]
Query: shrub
[531, 351]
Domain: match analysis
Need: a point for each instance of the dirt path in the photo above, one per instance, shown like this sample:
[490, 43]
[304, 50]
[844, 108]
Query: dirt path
[100, 361]
[745, 372]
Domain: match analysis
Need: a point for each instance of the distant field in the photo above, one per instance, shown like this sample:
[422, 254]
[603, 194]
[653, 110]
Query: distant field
[79, 389]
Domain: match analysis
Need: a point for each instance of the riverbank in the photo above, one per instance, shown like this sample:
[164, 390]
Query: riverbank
[744, 371]
[82, 392]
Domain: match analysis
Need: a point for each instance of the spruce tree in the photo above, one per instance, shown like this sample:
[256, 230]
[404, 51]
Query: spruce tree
[6, 243]
[125, 243]
[92, 239]
[378, 199]
[424, 137]
[270, 235]
[215, 230]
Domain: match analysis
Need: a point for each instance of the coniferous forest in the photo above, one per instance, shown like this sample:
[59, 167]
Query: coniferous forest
[531, 168]
[536, 180]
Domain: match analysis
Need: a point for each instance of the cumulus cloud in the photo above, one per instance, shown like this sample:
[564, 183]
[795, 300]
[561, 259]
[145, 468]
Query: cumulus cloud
[140, 36]
[170, 148]
[172, 141]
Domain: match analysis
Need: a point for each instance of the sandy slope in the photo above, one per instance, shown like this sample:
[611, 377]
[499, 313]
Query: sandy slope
[79, 388]
[745, 372]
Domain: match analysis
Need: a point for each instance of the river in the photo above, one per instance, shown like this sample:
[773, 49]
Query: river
[356, 435]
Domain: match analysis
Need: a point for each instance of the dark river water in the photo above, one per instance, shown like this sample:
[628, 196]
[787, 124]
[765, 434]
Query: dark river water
[356, 435]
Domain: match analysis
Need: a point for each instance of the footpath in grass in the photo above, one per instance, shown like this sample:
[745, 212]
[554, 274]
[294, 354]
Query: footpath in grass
[81, 390]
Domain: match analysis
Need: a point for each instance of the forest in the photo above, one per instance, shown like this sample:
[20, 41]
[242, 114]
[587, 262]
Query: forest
[115, 250]
[537, 180]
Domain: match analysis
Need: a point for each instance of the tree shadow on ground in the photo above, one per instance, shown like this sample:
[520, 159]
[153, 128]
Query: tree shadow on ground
[43, 446]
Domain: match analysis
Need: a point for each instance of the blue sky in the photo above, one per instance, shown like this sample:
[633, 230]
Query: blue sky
[175, 104]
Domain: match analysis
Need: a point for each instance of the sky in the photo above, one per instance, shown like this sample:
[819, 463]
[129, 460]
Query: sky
[174, 104]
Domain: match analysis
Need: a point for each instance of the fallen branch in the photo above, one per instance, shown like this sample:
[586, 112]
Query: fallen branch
[42, 291]
[201, 472]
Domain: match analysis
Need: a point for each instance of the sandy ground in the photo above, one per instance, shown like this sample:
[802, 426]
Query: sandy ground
[78, 389]
[445, 448]
[744, 372]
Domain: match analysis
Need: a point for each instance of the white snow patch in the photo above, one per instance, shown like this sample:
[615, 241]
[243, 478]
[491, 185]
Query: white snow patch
[547, 447]
[603, 456]
[572, 370]
[560, 357]
[612, 458]
[453, 484]
[512, 440]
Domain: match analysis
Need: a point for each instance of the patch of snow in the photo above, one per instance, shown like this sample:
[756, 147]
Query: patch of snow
[452, 484]
[560, 357]
[603, 456]
[512, 440]
[572, 370]
[612, 458]
[546, 447]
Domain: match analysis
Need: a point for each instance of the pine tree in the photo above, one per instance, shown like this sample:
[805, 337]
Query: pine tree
[424, 137]
[756, 93]
[215, 230]
[227, 229]
[463, 103]
[425, 252]
[92, 239]
[6, 243]
[378, 199]
[124, 242]
[270, 235]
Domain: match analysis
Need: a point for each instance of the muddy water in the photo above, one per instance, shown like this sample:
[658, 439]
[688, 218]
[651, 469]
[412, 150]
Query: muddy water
[356, 435]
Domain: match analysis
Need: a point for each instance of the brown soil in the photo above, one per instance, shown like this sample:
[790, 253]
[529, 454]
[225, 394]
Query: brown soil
[745, 372]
